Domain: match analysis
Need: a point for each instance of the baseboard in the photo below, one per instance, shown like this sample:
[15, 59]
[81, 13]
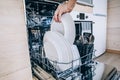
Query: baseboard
[112, 51]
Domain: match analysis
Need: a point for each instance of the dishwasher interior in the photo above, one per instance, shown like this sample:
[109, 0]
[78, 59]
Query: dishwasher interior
[39, 16]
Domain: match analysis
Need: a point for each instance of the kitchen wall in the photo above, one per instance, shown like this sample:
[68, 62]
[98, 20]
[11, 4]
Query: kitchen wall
[113, 27]
[14, 55]
[83, 8]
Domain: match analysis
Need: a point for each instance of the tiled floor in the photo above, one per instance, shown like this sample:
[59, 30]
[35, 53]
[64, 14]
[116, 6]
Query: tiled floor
[111, 59]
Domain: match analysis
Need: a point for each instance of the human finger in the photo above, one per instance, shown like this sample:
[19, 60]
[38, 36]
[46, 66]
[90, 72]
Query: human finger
[56, 15]
[59, 16]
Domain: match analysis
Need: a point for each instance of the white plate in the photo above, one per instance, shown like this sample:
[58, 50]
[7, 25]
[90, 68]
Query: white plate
[76, 56]
[67, 45]
[66, 27]
[56, 49]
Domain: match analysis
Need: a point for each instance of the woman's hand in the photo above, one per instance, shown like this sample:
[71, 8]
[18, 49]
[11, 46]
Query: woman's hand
[63, 8]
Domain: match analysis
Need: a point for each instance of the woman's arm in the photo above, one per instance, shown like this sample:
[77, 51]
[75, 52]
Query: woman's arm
[64, 8]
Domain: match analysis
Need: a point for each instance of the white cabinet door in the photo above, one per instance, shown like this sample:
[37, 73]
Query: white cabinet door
[99, 28]
[100, 7]
[99, 31]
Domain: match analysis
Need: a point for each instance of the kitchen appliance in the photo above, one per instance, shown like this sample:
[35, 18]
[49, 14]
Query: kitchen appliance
[83, 23]
[39, 15]
[84, 39]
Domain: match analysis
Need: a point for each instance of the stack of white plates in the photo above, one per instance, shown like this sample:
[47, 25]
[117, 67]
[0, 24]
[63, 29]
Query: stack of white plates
[66, 27]
[76, 56]
[58, 44]
[58, 49]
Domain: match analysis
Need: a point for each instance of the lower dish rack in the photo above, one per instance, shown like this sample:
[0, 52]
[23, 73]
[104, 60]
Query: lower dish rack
[84, 71]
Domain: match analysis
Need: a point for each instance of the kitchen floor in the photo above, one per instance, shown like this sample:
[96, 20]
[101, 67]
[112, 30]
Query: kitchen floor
[111, 59]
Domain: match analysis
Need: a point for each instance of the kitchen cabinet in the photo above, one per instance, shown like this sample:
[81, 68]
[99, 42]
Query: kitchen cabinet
[100, 25]
[100, 7]
[99, 31]
[14, 54]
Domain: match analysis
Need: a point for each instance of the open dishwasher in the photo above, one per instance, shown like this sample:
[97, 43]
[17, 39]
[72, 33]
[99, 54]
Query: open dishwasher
[39, 16]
